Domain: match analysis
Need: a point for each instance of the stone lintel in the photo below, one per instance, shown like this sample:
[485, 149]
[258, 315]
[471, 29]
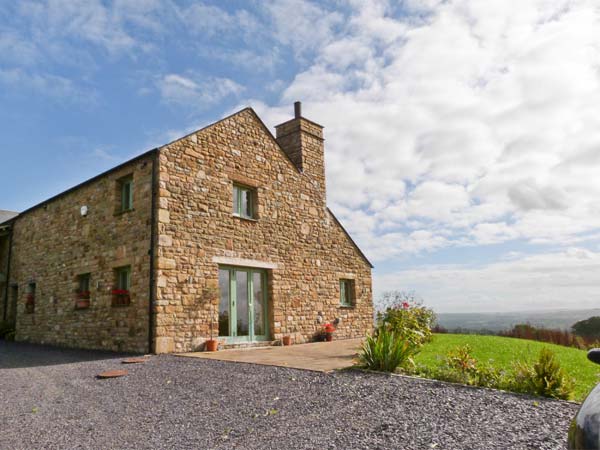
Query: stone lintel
[244, 262]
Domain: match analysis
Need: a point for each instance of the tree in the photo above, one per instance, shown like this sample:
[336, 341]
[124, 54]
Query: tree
[588, 327]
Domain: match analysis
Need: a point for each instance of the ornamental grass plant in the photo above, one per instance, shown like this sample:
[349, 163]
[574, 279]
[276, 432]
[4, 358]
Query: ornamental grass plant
[386, 351]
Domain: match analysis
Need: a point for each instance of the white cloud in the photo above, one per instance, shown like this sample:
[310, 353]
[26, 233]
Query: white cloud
[197, 94]
[567, 279]
[302, 24]
[54, 86]
[474, 120]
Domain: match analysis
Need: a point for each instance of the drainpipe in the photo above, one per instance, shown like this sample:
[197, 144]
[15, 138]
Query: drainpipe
[10, 245]
[153, 225]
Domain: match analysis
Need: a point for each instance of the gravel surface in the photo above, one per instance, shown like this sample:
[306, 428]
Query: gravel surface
[50, 398]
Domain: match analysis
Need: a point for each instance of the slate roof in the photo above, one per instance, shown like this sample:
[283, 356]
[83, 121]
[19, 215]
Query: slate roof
[7, 215]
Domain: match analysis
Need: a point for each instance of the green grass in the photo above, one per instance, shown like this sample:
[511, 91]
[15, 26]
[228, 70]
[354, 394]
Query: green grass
[502, 351]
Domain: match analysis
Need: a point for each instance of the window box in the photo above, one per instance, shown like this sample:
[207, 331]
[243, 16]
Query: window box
[120, 297]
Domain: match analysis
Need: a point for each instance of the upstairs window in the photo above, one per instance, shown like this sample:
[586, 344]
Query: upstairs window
[126, 193]
[244, 202]
[346, 293]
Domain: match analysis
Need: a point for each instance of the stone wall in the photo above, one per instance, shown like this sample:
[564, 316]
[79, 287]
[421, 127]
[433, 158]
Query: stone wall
[4, 251]
[54, 243]
[294, 234]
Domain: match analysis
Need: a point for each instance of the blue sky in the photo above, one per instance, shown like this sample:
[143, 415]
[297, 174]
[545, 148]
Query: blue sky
[462, 137]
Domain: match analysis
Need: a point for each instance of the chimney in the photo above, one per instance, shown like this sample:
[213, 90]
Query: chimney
[302, 141]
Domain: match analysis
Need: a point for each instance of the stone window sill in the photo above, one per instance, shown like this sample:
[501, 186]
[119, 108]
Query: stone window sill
[125, 211]
[347, 306]
[247, 219]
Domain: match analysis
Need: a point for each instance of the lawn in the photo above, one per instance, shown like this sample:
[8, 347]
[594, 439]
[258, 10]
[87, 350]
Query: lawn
[502, 351]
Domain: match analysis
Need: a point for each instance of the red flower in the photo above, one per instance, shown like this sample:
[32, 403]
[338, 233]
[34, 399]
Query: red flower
[329, 328]
[405, 305]
[120, 292]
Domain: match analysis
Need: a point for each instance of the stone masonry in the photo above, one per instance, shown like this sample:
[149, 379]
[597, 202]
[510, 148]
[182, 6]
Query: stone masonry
[54, 243]
[294, 232]
[189, 227]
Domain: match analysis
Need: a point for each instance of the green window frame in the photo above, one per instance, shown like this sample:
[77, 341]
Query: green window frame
[126, 190]
[244, 201]
[123, 275]
[346, 292]
[84, 282]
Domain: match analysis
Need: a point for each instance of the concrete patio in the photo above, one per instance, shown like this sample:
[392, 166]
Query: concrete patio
[317, 356]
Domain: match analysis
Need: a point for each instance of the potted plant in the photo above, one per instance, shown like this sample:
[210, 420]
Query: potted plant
[329, 330]
[211, 345]
[29, 303]
[286, 340]
[120, 297]
[82, 300]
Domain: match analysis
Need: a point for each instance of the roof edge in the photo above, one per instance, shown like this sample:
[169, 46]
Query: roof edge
[350, 237]
[82, 184]
[230, 116]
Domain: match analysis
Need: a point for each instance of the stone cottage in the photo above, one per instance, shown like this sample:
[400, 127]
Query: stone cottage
[224, 233]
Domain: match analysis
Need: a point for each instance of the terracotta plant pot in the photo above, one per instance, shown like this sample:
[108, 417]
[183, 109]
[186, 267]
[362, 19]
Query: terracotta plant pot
[211, 345]
[286, 340]
[329, 337]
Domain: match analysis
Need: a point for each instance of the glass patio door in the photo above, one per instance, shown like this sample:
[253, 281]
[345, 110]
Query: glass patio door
[242, 304]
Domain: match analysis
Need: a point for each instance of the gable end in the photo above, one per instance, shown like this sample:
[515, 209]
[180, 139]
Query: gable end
[350, 238]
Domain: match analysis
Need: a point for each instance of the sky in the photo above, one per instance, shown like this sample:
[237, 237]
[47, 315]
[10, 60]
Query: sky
[462, 136]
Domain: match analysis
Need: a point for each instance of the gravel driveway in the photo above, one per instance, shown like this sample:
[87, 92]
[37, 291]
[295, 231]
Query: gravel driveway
[49, 398]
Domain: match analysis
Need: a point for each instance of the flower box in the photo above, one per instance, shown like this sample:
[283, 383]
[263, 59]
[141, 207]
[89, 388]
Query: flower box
[120, 297]
[83, 295]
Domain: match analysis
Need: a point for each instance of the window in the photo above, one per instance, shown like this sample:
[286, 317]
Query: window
[30, 299]
[82, 299]
[244, 202]
[83, 285]
[346, 292]
[121, 295]
[126, 193]
[12, 306]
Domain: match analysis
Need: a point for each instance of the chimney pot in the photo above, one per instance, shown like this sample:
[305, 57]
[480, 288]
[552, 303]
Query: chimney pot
[297, 110]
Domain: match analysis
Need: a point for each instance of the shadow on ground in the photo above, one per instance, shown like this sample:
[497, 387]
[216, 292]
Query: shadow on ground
[15, 355]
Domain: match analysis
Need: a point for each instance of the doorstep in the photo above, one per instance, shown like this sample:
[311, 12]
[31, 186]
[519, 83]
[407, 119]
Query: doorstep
[316, 356]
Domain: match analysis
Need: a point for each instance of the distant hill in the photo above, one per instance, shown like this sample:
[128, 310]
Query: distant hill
[559, 318]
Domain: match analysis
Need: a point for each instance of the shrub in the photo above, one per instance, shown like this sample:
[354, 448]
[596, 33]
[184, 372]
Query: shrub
[386, 351]
[552, 336]
[589, 328]
[406, 317]
[545, 378]
[460, 366]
